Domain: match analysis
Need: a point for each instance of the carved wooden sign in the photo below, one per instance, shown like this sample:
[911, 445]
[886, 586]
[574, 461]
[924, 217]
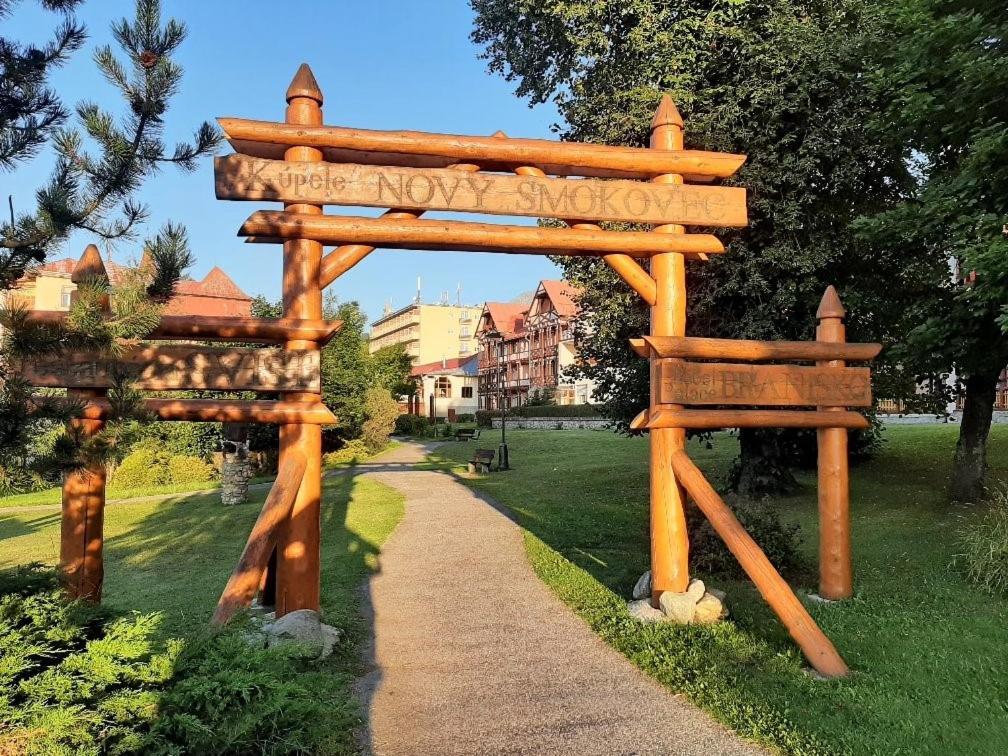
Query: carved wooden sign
[239, 177]
[768, 385]
[178, 367]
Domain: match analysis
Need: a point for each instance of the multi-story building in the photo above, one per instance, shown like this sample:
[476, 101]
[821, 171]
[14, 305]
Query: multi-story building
[430, 332]
[49, 287]
[445, 389]
[538, 348]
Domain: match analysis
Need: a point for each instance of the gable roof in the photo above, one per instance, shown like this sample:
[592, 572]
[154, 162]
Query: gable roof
[562, 295]
[507, 317]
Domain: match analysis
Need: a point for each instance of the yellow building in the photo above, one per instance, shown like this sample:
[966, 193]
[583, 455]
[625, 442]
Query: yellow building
[430, 332]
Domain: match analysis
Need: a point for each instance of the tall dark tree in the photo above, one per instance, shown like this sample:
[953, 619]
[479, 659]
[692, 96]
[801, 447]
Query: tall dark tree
[780, 81]
[944, 78]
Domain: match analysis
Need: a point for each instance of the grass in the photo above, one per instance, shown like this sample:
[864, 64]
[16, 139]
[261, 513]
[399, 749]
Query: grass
[54, 495]
[175, 557]
[927, 647]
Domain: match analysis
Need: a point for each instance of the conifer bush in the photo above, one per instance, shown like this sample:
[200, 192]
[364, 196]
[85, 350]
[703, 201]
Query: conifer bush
[77, 679]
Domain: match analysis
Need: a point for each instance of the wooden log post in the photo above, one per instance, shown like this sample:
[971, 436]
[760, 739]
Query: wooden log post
[298, 561]
[83, 506]
[835, 570]
[669, 540]
[817, 648]
[247, 576]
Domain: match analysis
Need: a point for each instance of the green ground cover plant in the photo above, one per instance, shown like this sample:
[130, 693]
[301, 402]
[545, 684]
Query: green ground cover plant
[166, 564]
[926, 645]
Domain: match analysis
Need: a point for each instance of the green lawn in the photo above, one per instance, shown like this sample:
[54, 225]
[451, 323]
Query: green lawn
[54, 495]
[175, 557]
[928, 650]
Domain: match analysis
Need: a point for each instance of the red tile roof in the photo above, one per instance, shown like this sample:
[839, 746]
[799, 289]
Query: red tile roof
[562, 295]
[508, 318]
[216, 294]
[453, 365]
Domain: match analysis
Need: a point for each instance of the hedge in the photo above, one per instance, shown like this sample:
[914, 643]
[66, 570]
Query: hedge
[596, 411]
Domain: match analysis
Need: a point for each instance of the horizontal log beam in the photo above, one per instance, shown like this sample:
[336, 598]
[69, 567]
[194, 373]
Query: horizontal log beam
[216, 410]
[472, 237]
[818, 648]
[214, 328]
[714, 419]
[267, 139]
[239, 177]
[751, 351]
[244, 581]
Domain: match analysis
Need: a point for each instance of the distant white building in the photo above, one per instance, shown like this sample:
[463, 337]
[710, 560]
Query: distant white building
[445, 389]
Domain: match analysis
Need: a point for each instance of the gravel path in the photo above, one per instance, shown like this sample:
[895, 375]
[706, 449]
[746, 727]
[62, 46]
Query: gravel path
[472, 654]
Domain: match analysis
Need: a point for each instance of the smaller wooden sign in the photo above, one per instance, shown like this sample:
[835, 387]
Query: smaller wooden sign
[178, 367]
[767, 385]
[239, 177]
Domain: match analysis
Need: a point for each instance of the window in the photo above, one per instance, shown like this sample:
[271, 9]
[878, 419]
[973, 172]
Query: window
[65, 297]
[442, 388]
[467, 392]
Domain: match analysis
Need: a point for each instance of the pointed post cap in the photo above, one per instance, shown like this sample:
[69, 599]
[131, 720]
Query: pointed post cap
[304, 85]
[830, 306]
[667, 114]
[90, 265]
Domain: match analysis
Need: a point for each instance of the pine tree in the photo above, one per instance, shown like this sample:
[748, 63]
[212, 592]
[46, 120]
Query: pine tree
[100, 163]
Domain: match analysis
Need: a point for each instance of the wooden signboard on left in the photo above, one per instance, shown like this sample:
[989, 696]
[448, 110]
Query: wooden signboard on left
[178, 367]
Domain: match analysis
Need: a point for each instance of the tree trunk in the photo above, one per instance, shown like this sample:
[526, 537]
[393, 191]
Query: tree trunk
[763, 467]
[970, 465]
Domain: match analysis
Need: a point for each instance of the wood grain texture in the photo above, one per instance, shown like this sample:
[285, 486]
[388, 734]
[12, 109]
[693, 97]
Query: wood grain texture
[174, 367]
[459, 236]
[701, 383]
[818, 649]
[345, 256]
[713, 419]
[836, 571]
[298, 562]
[247, 576]
[218, 328]
[239, 177]
[669, 538]
[757, 351]
[215, 410]
[268, 139]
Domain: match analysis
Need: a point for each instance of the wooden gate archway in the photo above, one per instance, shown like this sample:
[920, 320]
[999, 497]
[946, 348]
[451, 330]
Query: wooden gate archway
[306, 166]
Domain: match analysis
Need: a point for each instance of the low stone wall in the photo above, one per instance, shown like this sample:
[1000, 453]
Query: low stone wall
[553, 423]
[999, 417]
[588, 423]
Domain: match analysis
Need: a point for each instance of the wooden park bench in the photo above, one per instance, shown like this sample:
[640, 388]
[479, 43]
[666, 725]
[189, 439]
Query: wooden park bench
[467, 434]
[481, 461]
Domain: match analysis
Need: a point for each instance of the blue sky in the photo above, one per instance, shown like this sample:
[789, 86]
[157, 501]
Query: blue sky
[380, 64]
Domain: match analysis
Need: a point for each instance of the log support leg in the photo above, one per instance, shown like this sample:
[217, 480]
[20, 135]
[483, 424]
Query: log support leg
[82, 523]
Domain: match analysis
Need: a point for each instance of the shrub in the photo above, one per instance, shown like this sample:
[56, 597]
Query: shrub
[983, 546]
[779, 540]
[484, 418]
[74, 679]
[381, 410]
[183, 468]
[465, 418]
[411, 425]
[232, 699]
[142, 467]
[354, 451]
